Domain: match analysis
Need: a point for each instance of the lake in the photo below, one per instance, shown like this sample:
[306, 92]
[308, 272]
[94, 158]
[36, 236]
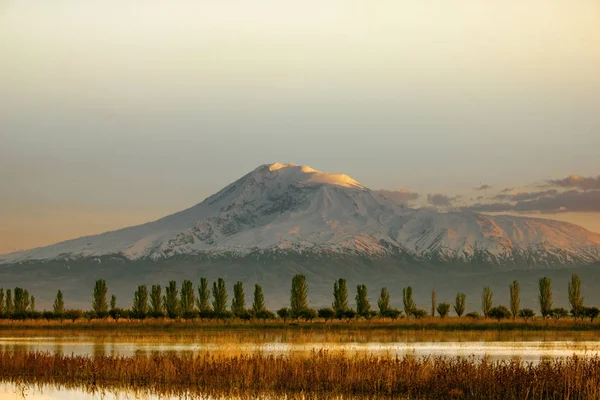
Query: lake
[495, 345]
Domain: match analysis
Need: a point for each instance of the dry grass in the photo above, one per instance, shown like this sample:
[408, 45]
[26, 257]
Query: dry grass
[321, 373]
[435, 324]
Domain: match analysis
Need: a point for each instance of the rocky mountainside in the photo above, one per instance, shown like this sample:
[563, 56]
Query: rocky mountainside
[286, 210]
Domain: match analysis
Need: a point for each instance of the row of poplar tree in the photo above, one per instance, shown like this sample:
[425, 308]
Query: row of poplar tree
[207, 303]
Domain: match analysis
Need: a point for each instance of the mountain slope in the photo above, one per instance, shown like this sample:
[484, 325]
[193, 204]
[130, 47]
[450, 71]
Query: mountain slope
[285, 209]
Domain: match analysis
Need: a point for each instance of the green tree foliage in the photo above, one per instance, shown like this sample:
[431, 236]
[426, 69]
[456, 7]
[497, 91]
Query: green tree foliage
[219, 297]
[515, 298]
[591, 312]
[526, 314]
[460, 304]
[203, 301]
[21, 302]
[407, 300]
[419, 313]
[59, 305]
[443, 309]
[486, 301]
[340, 297]
[284, 313]
[10, 305]
[545, 296]
[433, 302]
[384, 302]
[499, 313]
[2, 303]
[473, 315]
[139, 308]
[156, 302]
[32, 305]
[298, 296]
[363, 307]
[308, 314]
[558, 313]
[99, 304]
[238, 304]
[113, 302]
[187, 301]
[258, 304]
[575, 298]
[171, 300]
[326, 313]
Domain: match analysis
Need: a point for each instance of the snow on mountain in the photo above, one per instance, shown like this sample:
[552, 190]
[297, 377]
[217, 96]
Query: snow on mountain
[286, 208]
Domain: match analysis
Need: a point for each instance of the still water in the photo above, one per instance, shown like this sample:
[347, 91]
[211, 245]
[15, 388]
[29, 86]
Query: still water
[528, 346]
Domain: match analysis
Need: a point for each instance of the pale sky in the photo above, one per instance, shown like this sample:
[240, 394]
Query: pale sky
[114, 112]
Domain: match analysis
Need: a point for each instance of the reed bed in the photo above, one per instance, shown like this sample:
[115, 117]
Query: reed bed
[322, 372]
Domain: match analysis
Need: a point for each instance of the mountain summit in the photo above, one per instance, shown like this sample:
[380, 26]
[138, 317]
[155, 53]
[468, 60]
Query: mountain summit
[286, 209]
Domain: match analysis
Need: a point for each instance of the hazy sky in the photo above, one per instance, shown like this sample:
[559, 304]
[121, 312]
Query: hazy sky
[118, 112]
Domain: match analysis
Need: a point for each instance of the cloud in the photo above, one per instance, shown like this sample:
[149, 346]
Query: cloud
[507, 190]
[440, 200]
[572, 200]
[399, 196]
[483, 187]
[526, 196]
[577, 181]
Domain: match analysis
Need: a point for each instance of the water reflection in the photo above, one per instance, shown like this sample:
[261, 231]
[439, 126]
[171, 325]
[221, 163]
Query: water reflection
[528, 346]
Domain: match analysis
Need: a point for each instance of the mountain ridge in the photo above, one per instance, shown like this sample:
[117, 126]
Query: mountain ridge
[291, 209]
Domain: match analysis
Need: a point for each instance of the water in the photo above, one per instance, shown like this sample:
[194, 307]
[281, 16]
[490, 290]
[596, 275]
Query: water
[528, 346]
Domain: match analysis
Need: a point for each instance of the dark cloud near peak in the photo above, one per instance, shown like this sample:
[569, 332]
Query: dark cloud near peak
[399, 196]
[569, 201]
[507, 190]
[576, 181]
[440, 200]
[526, 196]
[483, 187]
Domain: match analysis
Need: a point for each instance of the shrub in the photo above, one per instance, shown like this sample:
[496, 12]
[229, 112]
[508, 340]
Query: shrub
[326, 313]
[499, 313]
[473, 315]
[526, 313]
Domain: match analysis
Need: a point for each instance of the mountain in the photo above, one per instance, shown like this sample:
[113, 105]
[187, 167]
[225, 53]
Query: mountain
[283, 219]
[285, 209]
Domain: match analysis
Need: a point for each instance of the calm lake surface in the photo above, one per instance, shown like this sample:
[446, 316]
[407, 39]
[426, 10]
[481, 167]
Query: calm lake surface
[528, 346]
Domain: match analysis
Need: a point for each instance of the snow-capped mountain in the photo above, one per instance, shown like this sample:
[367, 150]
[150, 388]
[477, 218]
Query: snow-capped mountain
[285, 209]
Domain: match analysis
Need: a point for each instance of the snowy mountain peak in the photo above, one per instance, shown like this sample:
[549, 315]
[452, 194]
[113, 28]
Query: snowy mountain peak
[290, 209]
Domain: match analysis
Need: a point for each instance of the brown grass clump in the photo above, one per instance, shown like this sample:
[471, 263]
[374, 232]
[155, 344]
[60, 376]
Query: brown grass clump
[320, 373]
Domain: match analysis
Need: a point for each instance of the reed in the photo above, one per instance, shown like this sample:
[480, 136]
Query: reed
[322, 372]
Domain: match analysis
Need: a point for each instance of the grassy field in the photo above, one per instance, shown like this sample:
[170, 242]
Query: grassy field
[434, 324]
[321, 373]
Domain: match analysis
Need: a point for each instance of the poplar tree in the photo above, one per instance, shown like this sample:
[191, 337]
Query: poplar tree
[258, 305]
[187, 298]
[203, 300]
[9, 303]
[460, 304]
[407, 300]
[433, 302]
[156, 302]
[363, 307]
[99, 304]
[486, 301]
[575, 298]
[340, 297]
[443, 309]
[515, 299]
[139, 308]
[59, 305]
[298, 296]
[545, 296]
[238, 304]
[113, 302]
[219, 293]
[32, 304]
[384, 302]
[2, 304]
[171, 300]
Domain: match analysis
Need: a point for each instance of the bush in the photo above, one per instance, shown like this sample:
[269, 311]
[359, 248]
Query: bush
[309, 314]
[473, 315]
[419, 313]
[558, 313]
[443, 309]
[591, 312]
[283, 313]
[392, 313]
[349, 315]
[526, 313]
[326, 313]
[73, 315]
[499, 313]
[265, 314]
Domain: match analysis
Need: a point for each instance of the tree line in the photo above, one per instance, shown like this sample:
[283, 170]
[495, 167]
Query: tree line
[188, 302]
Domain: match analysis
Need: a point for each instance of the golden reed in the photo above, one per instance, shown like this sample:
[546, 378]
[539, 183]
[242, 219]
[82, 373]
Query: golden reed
[321, 373]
